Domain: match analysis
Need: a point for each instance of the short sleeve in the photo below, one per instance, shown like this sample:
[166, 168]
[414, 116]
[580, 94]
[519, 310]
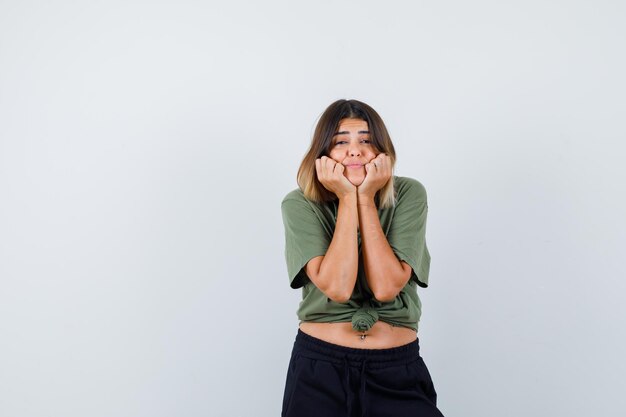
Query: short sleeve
[407, 232]
[305, 237]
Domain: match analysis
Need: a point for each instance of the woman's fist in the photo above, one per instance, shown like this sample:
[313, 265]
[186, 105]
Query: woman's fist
[378, 173]
[330, 174]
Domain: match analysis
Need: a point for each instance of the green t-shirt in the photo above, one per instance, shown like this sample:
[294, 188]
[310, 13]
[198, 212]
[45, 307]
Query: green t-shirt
[309, 229]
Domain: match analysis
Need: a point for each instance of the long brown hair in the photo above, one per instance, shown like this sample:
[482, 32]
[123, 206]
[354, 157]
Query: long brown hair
[321, 144]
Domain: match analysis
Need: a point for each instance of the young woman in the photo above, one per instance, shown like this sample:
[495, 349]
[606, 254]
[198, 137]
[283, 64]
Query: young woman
[355, 244]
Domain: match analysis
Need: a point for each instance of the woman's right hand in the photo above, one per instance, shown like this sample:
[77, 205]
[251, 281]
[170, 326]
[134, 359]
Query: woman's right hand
[330, 174]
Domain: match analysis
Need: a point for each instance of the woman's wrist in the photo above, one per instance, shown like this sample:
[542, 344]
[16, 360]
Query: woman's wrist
[350, 195]
[365, 200]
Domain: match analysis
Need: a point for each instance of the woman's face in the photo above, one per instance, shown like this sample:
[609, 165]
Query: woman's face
[353, 148]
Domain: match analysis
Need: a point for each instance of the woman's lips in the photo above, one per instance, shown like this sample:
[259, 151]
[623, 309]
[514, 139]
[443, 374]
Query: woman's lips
[354, 166]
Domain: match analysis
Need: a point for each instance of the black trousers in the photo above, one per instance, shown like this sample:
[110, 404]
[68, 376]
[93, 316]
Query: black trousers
[324, 379]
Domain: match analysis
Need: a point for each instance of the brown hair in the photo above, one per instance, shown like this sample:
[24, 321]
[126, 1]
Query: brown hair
[321, 144]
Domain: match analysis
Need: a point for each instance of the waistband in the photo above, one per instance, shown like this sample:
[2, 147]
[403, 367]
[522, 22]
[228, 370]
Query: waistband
[315, 348]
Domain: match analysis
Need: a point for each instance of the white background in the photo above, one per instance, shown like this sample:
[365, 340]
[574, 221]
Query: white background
[145, 148]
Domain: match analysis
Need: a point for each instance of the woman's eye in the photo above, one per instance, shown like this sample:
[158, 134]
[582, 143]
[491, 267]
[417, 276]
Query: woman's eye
[340, 142]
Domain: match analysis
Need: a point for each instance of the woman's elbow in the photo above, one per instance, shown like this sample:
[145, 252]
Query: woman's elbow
[385, 296]
[338, 290]
[338, 296]
[392, 288]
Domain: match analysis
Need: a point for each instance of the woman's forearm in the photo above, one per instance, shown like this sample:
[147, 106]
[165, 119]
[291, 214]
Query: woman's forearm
[385, 274]
[338, 270]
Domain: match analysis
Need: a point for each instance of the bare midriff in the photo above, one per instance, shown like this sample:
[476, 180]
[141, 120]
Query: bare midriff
[381, 336]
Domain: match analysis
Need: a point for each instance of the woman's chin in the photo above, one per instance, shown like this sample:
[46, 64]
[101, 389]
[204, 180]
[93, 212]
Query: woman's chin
[356, 181]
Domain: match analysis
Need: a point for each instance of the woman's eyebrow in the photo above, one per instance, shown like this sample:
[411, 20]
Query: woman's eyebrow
[345, 132]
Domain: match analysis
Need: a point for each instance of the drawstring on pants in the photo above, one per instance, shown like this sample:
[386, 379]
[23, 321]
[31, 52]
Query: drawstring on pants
[362, 392]
[363, 397]
[349, 397]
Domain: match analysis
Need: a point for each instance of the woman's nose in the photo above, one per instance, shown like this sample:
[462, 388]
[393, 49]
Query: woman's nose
[355, 150]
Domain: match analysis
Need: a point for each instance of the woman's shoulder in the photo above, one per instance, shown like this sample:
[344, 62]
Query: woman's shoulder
[298, 195]
[408, 185]
[296, 198]
[295, 194]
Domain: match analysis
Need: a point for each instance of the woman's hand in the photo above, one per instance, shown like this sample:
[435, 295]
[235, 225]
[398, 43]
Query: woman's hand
[330, 174]
[377, 174]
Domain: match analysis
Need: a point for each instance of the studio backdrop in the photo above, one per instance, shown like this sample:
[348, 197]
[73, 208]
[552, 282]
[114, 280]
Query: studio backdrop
[145, 148]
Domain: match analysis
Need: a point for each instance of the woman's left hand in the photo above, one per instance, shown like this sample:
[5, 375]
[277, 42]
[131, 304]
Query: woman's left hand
[377, 173]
